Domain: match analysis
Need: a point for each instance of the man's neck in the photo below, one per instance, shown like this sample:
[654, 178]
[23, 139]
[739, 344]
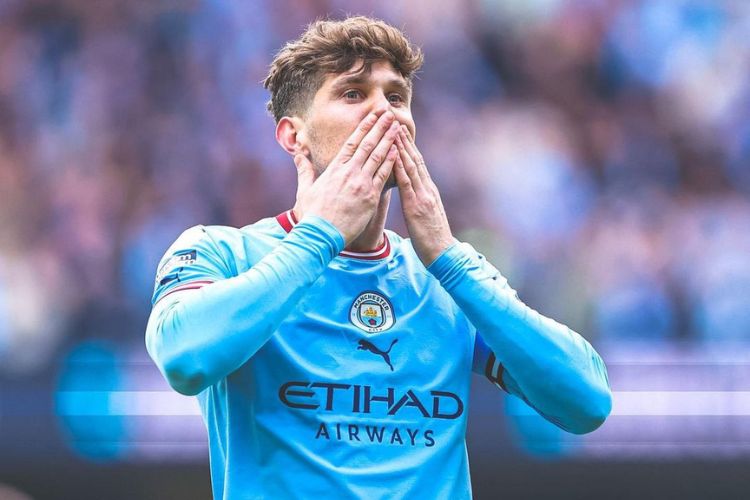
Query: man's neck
[372, 237]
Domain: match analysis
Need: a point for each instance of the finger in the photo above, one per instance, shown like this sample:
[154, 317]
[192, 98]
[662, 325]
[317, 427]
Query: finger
[408, 135]
[385, 168]
[354, 140]
[405, 188]
[371, 140]
[405, 185]
[378, 155]
[410, 145]
[415, 155]
[305, 173]
[410, 168]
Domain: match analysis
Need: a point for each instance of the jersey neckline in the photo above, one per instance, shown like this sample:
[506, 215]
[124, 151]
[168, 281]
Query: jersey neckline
[287, 221]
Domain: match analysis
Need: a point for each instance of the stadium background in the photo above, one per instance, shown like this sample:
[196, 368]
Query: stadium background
[598, 151]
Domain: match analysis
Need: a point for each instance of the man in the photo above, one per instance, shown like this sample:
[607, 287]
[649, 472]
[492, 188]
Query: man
[332, 357]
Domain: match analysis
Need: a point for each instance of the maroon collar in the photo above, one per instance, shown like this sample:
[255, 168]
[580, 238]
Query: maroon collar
[287, 220]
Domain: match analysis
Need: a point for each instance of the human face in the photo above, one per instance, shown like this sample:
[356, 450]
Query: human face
[344, 100]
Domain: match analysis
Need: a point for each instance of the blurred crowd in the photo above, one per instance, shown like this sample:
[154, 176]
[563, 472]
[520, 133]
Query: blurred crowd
[598, 151]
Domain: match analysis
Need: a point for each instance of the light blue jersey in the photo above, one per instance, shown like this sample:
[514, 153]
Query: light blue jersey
[330, 373]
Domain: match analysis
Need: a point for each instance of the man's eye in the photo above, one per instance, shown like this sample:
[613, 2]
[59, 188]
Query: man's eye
[396, 98]
[351, 94]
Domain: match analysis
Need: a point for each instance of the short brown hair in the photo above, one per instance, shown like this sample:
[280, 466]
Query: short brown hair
[328, 46]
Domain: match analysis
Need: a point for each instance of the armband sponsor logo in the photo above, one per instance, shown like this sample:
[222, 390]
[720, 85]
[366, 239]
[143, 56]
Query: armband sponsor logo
[170, 270]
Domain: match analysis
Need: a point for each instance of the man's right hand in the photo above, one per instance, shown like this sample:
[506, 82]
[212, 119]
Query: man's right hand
[346, 194]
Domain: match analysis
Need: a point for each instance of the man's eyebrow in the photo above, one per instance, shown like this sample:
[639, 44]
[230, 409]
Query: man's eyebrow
[350, 80]
[360, 79]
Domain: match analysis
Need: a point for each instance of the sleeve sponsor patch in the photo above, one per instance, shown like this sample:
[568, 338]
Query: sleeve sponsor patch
[170, 270]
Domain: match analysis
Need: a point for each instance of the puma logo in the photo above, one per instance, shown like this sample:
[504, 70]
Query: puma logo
[366, 345]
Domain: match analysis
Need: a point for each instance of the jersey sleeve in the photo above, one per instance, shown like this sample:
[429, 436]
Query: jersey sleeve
[486, 363]
[192, 262]
[552, 368]
[196, 339]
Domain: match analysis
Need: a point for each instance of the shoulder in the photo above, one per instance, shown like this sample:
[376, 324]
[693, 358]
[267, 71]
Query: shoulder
[197, 247]
[225, 244]
[204, 254]
[231, 242]
[211, 240]
[243, 247]
[266, 231]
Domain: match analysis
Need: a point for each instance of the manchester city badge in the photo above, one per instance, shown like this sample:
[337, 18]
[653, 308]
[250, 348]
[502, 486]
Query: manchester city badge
[371, 312]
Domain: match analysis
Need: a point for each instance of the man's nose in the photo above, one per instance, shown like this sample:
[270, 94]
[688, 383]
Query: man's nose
[381, 105]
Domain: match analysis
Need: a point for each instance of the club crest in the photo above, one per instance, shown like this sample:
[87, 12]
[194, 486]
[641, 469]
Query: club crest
[371, 312]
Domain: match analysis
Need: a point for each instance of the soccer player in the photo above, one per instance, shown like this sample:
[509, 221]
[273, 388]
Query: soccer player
[332, 357]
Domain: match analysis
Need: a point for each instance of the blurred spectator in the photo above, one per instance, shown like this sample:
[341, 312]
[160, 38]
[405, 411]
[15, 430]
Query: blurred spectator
[599, 149]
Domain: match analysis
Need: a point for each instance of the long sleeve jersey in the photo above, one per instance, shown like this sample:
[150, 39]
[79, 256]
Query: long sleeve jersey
[322, 372]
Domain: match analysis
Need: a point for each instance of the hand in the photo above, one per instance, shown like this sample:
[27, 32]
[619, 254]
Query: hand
[346, 194]
[420, 200]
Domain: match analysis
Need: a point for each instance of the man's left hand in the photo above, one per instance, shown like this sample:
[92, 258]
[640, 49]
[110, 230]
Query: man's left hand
[420, 200]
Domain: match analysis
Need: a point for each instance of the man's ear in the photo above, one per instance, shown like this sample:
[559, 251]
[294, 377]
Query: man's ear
[290, 135]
